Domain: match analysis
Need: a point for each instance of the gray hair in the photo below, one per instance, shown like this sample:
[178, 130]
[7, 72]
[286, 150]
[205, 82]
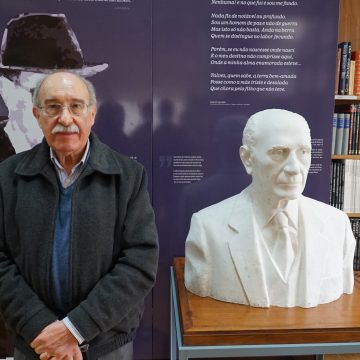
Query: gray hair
[90, 87]
[252, 126]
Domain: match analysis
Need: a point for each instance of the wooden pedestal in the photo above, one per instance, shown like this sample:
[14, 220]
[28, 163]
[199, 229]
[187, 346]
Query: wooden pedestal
[208, 322]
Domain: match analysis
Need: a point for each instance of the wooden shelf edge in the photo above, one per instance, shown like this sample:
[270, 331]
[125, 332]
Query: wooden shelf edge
[345, 157]
[353, 215]
[347, 97]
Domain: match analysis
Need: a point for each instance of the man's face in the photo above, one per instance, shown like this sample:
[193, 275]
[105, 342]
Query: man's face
[65, 89]
[281, 158]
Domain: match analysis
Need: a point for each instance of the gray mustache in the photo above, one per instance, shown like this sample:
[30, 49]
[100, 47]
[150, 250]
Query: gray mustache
[60, 128]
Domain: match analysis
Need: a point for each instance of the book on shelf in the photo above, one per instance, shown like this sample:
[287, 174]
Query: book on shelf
[347, 72]
[355, 132]
[341, 182]
[343, 66]
[346, 136]
[339, 133]
[338, 61]
[352, 110]
[345, 185]
[352, 78]
[334, 124]
[337, 184]
[355, 56]
[347, 80]
[355, 226]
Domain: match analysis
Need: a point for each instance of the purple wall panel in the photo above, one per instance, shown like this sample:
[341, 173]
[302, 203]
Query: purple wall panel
[216, 63]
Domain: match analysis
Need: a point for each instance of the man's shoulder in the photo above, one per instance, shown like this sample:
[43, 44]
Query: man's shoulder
[322, 209]
[9, 165]
[223, 208]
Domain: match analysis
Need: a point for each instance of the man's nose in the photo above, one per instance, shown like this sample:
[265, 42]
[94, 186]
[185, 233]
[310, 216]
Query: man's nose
[65, 117]
[292, 165]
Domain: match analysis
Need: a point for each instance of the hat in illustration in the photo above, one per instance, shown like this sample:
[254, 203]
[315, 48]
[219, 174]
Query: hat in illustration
[42, 43]
[4, 111]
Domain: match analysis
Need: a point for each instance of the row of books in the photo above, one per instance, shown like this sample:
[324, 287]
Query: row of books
[346, 130]
[345, 185]
[347, 70]
[355, 226]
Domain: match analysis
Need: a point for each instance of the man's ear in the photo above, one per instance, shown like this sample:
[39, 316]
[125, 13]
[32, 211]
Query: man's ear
[36, 113]
[245, 156]
[93, 114]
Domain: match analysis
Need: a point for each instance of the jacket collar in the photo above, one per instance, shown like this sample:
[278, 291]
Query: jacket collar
[37, 160]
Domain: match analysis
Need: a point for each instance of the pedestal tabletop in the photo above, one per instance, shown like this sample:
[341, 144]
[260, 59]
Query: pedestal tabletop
[206, 321]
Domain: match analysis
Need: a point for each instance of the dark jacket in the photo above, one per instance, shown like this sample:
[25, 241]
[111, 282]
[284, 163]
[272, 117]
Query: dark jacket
[114, 247]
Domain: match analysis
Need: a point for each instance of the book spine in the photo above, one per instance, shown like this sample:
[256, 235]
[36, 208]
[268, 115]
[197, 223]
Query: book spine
[345, 141]
[341, 184]
[355, 229]
[332, 184]
[353, 201]
[331, 181]
[355, 189]
[334, 125]
[354, 131]
[352, 77]
[338, 61]
[357, 237]
[351, 126]
[343, 63]
[356, 57]
[339, 133]
[347, 184]
[356, 135]
[347, 73]
[358, 246]
[336, 184]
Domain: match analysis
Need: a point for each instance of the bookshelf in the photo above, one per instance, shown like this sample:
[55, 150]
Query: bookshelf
[348, 31]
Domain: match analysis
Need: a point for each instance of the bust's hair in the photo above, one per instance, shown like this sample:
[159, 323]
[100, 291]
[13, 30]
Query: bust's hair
[253, 124]
[90, 87]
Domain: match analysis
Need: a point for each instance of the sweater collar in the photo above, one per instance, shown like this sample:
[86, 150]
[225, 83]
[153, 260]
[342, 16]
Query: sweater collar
[102, 159]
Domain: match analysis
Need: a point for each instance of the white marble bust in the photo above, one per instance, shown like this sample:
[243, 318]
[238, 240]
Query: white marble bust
[270, 245]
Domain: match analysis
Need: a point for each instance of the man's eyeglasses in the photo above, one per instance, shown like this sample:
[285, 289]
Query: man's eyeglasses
[55, 109]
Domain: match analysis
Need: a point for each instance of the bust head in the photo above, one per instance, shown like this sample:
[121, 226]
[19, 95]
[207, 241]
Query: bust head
[276, 152]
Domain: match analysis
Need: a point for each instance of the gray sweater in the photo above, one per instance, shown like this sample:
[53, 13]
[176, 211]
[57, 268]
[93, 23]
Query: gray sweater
[113, 249]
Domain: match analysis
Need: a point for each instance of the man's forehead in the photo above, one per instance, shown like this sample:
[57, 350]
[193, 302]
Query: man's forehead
[288, 136]
[63, 84]
[63, 80]
[288, 145]
[282, 126]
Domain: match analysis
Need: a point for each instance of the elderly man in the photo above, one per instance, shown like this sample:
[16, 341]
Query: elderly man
[270, 245]
[78, 251]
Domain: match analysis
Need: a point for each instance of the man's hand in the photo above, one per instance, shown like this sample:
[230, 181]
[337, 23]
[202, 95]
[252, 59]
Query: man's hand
[56, 341]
